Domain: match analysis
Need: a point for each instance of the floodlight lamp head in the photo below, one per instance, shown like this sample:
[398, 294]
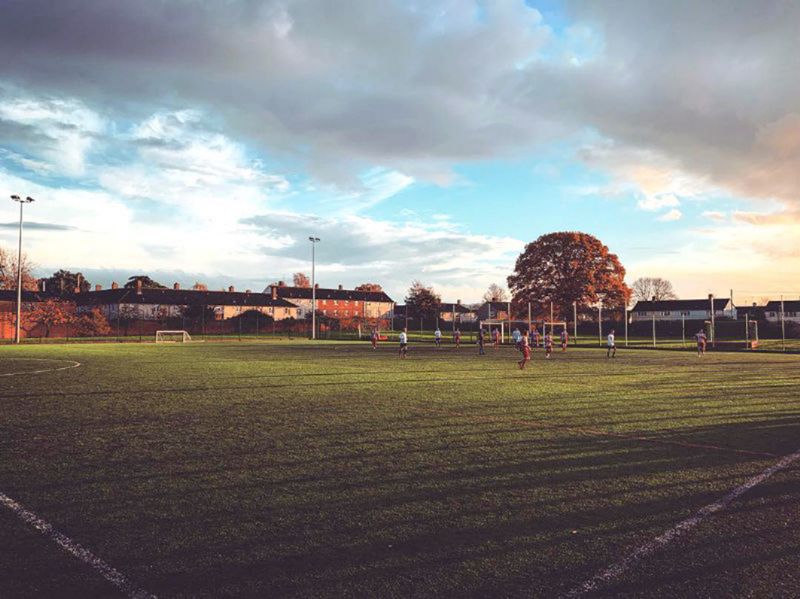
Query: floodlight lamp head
[15, 197]
[313, 239]
[29, 199]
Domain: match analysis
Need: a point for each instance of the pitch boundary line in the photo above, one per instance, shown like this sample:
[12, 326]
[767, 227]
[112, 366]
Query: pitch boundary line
[112, 575]
[73, 364]
[616, 570]
[598, 432]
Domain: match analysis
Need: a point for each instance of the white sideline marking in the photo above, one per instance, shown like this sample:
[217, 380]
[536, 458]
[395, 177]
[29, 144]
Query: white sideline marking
[616, 570]
[112, 575]
[73, 364]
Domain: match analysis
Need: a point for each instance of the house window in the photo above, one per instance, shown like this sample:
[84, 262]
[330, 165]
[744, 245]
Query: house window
[642, 313]
[791, 314]
[772, 314]
[666, 313]
[685, 313]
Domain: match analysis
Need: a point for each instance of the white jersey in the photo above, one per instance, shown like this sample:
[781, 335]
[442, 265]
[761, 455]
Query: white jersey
[438, 334]
[611, 340]
[403, 338]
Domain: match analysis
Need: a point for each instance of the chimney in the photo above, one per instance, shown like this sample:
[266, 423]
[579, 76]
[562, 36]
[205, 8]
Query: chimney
[231, 289]
[176, 286]
[340, 287]
[43, 285]
[316, 285]
[98, 287]
[274, 292]
[458, 302]
[114, 285]
[247, 291]
[138, 287]
[281, 284]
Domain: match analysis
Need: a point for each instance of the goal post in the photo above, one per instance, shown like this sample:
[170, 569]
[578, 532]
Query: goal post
[172, 337]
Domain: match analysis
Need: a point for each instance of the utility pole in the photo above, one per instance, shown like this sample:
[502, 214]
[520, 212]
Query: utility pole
[314, 241]
[713, 328]
[575, 320]
[600, 321]
[22, 202]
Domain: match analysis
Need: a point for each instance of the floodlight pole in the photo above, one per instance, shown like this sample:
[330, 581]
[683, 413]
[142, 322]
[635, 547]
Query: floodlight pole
[713, 323]
[22, 202]
[600, 321]
[314, 241]
[783, 327]
[575, 320]
[626, 322]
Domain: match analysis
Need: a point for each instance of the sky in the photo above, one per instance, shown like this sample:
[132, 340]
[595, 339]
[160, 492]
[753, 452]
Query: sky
[429, 139]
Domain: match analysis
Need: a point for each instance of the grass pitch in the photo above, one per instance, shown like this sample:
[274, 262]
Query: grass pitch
[289, 469]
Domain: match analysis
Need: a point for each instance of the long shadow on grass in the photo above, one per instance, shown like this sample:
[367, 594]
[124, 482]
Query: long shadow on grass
[506, 508]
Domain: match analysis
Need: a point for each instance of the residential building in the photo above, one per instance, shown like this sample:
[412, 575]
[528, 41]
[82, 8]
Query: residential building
[688, 309]
[791, 311]
[457, 311]
[337, 303]
[159, 304]
[493, 311]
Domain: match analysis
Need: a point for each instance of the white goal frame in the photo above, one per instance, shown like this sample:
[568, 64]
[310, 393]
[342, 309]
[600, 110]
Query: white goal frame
[184, 336]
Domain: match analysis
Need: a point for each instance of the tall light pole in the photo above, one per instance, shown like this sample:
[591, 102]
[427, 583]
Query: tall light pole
[314, 241]
[22, 202]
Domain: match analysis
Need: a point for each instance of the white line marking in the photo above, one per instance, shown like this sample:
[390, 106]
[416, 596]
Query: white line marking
[616, 570]
[112, 575]
[72, 364]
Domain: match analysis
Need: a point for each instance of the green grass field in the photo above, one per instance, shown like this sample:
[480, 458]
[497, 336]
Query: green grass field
[286, 469]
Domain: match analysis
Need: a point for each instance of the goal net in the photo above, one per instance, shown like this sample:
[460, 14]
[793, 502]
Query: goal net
[172, 337]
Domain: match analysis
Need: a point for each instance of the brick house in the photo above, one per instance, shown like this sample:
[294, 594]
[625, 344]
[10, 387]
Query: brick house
[158, 304]
[337, 303]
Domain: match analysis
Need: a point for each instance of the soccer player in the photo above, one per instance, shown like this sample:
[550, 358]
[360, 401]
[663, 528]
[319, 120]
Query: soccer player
[701, 342]
[403, 344]
[564, 339]
[457, 337]
[535, 337]
[517, 337]
[374, 338]
[548, 345]
[612, 346]
[496, 338]
[481, 342]
[437, 338]
[525, 348]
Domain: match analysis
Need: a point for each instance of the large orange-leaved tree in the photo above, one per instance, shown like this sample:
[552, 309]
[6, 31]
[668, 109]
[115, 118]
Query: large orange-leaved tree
[567, 267]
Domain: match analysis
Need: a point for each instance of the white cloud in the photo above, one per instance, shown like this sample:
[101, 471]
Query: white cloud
[670, 216]
[57, 133]
[714, 215]
[657, 202]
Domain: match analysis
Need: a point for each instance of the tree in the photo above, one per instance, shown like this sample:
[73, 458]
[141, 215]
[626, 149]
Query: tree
[564, 268]
[8, 271]
[495, 293]
[301, 280]
[147, 282]
[372, 287]
[64, 282]
[653, 288]
[49, 313]
[422, 301]
[198, 286]
[92, 324]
